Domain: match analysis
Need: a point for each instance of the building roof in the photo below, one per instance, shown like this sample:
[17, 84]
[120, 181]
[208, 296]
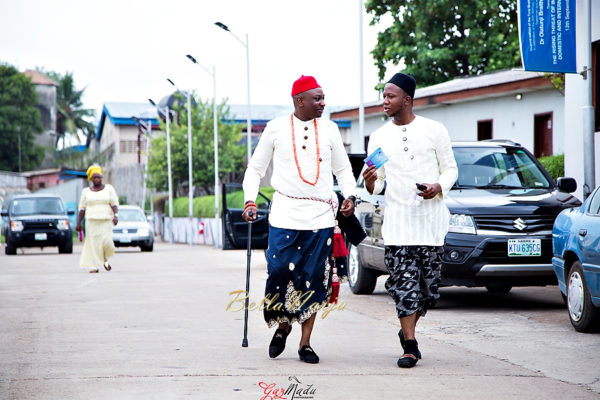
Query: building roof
[39, 172]
[259, 112]
[475, 82]
[122, 113]
[492, 84]
[263, 113]
[267, 112]
[37, 78]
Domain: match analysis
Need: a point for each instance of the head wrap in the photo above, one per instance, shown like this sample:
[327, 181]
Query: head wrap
[303, 84]
[94, 169]
[404, 82]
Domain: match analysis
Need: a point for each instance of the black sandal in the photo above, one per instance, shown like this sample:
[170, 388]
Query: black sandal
[402, 341]
[107, 266]
[308, 355]
[410, 347]
[277, 344]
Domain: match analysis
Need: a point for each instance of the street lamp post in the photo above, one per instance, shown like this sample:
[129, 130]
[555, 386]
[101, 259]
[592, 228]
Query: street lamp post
[144, 127]
[190, 186]
[170, 180]
[249, 119]
[213, 73]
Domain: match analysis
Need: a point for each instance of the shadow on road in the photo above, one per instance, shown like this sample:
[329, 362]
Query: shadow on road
[526, 298]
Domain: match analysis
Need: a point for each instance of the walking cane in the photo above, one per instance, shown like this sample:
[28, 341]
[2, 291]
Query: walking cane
[249, 254]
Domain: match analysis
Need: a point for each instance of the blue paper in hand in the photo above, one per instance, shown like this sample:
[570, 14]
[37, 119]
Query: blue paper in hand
[377, 158]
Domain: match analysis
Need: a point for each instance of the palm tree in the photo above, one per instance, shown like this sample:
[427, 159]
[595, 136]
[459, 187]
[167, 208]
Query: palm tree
[70, 114]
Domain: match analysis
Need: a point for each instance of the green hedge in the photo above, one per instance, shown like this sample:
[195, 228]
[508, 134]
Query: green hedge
[204, 206]
[555, 165]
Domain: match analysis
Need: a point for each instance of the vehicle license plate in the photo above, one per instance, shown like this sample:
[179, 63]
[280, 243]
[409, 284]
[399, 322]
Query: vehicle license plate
[40, 236]
[524, 247]
[125, 239]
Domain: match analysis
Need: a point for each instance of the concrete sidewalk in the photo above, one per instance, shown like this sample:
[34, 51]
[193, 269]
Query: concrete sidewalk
[155, 327]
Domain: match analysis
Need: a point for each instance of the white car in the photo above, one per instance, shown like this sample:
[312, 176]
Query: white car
[133, 229]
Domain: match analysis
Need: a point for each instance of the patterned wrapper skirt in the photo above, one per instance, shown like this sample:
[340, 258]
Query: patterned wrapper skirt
[98, 244]
[414, 277]
[299, 267]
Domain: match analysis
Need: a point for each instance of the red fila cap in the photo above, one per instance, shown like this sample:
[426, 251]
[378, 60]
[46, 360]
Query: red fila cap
[303, 84]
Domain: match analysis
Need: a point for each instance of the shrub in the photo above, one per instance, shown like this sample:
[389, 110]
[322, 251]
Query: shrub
[204, 206]
[555, 165]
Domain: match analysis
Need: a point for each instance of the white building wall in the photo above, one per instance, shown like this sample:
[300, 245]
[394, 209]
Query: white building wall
[512, 119]
[126, 152]
[127, 144]
[575, 86]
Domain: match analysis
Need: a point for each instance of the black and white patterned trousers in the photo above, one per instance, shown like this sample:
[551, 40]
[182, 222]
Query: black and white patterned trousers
[414, 277]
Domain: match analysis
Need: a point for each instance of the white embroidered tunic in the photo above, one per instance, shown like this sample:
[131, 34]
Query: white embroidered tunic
[276, 144]
[419, 152]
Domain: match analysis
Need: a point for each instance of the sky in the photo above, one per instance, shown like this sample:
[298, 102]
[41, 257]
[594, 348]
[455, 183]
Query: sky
[125, 50]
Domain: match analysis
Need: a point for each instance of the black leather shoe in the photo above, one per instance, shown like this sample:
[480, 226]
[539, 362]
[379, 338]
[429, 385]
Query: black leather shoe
[407, 362]
[402, 343]
[308, 355]
[411, 348]
[277, 344]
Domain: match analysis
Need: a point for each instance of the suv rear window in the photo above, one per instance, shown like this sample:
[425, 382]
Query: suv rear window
[497, 168]
[37, 206]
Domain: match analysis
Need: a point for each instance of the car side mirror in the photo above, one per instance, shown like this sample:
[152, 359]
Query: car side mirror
[70, 211]
[150, 218]
[568, 185]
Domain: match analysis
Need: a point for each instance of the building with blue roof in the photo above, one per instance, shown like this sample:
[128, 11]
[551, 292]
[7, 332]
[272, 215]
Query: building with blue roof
[117, 135]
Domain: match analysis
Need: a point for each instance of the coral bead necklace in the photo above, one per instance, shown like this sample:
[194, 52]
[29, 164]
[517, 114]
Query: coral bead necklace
[296, 154]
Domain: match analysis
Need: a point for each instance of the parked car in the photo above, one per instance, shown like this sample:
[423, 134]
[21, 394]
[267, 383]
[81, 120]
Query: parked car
[576, 261]
[37, 221]
[133, 229]
[502, 207]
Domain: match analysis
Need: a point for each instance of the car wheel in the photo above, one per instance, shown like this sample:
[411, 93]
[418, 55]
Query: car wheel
[66, 248]
[498, 289]
[582, 313]
[149, 247]
[9, 248]
[361, 280]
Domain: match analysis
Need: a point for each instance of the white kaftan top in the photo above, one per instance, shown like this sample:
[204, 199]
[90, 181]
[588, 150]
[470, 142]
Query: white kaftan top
[97, 205]
[276, 144]
[418, 152]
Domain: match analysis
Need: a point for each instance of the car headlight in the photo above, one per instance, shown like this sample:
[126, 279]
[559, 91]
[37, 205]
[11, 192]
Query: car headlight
[16, 226]
[63, 224]
[143, 231]
[461, 223]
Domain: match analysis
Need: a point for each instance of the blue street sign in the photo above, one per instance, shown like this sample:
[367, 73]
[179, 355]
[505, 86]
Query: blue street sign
[547, 35]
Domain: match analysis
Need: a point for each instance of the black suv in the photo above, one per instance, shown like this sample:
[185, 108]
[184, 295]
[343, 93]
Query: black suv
[37, 221]
[502, 207]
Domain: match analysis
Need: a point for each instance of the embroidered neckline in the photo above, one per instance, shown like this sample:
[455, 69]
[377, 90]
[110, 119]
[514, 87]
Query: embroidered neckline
[296, 154]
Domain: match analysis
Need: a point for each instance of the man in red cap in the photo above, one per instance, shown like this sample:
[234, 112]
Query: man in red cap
[306, 151]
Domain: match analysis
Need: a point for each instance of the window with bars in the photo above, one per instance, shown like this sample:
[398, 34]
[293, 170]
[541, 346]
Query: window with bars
[130, 146]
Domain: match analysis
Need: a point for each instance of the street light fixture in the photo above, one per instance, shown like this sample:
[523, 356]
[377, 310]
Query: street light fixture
[249, 119]
[213, 73]
[170, 180]
[190, 186]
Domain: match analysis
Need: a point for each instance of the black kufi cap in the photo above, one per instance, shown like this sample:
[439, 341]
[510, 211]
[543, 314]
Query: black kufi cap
[404, 82]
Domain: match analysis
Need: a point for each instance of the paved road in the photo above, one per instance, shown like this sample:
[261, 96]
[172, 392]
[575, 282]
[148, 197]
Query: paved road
[156, 328]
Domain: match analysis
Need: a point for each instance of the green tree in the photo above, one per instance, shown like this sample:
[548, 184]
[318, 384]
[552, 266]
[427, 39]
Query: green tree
[71, 117]
[20, 122]
[438, 40]
[231, 153]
